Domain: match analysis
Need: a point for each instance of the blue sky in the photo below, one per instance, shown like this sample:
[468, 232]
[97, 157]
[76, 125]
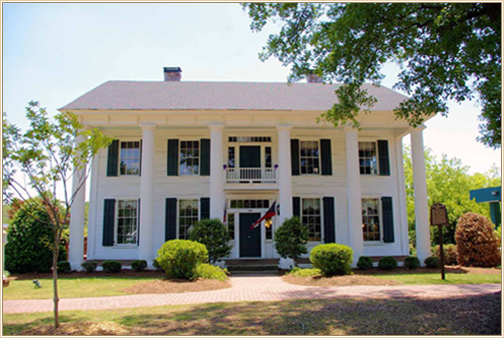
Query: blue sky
[54, 53]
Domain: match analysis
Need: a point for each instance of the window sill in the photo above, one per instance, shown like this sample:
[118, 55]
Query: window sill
[374, 243]
[126, 246]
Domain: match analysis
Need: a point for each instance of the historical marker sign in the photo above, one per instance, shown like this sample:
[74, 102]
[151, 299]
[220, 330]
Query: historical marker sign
[439, 218]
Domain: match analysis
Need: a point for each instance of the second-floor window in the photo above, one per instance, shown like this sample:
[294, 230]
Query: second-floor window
[130, 158]
[189, 157]
[309, 157]
[368, 163]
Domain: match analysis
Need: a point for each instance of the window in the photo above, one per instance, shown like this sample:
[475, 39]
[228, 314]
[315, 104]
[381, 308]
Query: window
[268, 223]
[311, 218]
[367, 158]
[267, 160]
[249, 139]
[130, 158]
[249, 204]
[309, 157]
[126, 222]
[189, 158]
[231, 157]
[231, 225]
[188, 216]
[371, 219]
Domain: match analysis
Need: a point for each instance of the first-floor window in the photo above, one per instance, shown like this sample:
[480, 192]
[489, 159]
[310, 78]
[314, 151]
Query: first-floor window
[127, 221]
[371, 219]
[231, 225]
[188, 216]
[311, 217]
[269, 228]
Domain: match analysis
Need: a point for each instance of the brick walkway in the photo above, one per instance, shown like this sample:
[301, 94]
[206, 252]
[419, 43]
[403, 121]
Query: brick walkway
[250, 288]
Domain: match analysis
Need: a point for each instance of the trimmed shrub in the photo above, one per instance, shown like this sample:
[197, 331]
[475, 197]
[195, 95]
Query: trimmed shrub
[29, 244]
[477, 244]
[155, 264]
[139, 265]
[89, 266]
[298, 272]
[432, 262]
[207, 271]
[364, 263]
[450, 253]
[411, 262]
[64, 267]
[291, 238]
[332, 259]
[111, 266]
[214, 235]
[179, 258]
[387, 263]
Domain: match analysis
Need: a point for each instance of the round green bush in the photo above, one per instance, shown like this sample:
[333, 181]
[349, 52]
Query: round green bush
[29, 243]
[207, 271]
[214, 235]
[387, 263]
[139, 265]
[64, 267]
[432, 262]
[179, 258]
[89, 266]
[411, 262]
[332, 259]
[450, 253]
[364, 263]
[155, 264]
[111, 266]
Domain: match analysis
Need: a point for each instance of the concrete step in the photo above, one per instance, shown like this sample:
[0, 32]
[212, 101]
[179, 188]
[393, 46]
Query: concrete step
[247, 268]
[252, 262]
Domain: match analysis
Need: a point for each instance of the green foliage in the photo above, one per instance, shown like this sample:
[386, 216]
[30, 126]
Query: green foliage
[89, 266]
[207, 271]
[445, 51]
[29, 245]
[139, 265]
[498, 233]
[155, 264]
[432, 262]
[64, 267]
[387, 263]
[411, 262]
[215, 236]
[111, 266]
[364, 263]
[332, 259]
[290, 239]
[450, 253]
[180, 258]
[298, 272]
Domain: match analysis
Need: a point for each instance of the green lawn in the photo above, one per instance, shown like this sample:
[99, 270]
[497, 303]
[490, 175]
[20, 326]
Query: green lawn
[435, 278]
[344, 316]
[72, 287]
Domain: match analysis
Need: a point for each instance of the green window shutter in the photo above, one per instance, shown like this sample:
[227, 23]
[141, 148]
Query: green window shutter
[205, 157]
[171, 219]
[388, 220]
[329, 229]
[383, 158]
[294, 157]
[326, 157]
[296, 206]
[173, 157]
[138, 222]
[108, 222]
[205, 207]
[113, 159]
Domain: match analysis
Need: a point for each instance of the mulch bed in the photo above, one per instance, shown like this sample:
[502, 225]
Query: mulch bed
[338, 280]
[177, 286]
[77, 329]
[448, 269]
[82, 274]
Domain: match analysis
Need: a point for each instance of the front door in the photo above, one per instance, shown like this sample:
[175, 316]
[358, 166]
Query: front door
[250, 157]
[250, 240]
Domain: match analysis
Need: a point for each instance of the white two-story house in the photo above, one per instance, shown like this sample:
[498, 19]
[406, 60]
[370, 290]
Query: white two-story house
[184, 151]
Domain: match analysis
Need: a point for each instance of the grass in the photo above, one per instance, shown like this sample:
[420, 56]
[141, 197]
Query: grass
[464, 315]
[435, 278]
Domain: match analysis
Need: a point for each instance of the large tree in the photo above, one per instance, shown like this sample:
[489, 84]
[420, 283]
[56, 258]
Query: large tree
[446, 51]
[43, 159]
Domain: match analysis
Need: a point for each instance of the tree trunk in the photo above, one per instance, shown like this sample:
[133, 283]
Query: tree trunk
[55, 282]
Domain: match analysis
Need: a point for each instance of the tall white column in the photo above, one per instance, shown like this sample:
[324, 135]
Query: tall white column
[420, 189]
[354, 197]
[76, 245]
[147, 194]
[403, 211]
[284, 172]
[216, 172]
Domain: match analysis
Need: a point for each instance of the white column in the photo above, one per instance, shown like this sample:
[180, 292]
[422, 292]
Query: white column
[403, 211]
[216, 172]
[354, 198]
[420, 189]
[147, 194]
[284, 172]
[76, 244]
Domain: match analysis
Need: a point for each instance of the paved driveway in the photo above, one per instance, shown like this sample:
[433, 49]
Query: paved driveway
[247, 287]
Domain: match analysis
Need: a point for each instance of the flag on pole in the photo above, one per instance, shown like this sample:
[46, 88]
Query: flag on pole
[270, 213]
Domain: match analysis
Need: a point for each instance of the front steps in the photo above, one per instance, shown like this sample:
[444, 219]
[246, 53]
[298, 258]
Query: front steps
[234, 265]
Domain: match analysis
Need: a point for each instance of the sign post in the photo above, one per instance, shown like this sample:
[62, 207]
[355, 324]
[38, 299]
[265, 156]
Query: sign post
[439, 218]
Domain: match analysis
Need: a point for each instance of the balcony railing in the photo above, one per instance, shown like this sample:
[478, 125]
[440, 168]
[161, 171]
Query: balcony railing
[251, 175]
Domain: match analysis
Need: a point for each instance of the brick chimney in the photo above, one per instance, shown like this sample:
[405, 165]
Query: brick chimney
[313, 78]
[173, 74]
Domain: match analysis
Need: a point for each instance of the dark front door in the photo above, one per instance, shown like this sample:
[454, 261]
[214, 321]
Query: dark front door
[250, 157]
[250, 240]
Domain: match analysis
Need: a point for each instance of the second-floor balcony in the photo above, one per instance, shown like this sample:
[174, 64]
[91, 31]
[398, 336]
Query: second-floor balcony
[251, 175]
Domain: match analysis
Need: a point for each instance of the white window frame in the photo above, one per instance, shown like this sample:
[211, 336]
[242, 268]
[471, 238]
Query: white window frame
[180, 157]
[380, 217]
[375, 141]
[319, 156]
[139, 140]
[321, 215]
[179, 200]
[116, 222]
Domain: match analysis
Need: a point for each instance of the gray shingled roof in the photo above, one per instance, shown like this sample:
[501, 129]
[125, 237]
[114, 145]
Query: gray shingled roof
[160, 95]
